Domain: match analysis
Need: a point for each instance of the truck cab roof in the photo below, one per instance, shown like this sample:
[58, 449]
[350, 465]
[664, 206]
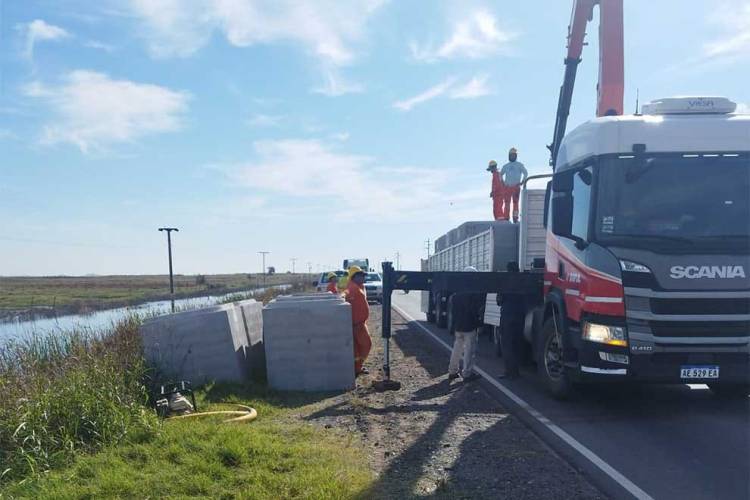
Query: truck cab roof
[674, 125]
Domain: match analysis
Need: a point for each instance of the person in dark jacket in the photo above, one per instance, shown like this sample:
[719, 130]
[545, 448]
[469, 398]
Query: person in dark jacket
[467, 318]
[513, 311]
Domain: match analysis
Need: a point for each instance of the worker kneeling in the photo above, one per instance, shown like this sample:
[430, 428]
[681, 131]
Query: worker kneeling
[467, 317]
[356, 296]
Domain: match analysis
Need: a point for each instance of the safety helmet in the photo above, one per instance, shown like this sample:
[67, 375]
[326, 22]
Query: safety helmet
[492, 164]
[513, 151]
[355, 270]
[332, 275]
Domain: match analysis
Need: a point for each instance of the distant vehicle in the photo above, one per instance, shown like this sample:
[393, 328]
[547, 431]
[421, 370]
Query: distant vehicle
[322, 282]
[364, 264]
[374, 287]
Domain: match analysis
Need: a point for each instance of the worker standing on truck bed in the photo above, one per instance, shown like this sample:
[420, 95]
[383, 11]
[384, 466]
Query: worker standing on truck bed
[356, 296]
[513, 174]
[332, 283]
[498, 192]
[466, 310]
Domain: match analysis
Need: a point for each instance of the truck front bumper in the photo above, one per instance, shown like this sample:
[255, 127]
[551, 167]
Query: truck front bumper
[662, 367]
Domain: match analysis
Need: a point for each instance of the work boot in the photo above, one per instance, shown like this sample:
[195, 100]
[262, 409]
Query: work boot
[452, 376]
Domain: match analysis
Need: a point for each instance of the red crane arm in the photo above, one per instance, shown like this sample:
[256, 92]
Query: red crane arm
[611, 62]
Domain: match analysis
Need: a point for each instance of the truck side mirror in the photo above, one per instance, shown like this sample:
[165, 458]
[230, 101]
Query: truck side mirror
[562, 214]
[563, 182]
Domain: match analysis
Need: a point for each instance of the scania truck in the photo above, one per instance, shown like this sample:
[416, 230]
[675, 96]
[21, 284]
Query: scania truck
[647, 222]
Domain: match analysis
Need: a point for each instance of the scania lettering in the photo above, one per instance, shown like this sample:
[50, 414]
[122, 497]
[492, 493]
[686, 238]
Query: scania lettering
[712, 272]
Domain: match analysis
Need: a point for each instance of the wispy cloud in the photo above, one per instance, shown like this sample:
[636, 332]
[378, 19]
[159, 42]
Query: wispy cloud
[263, 120]
[40, 31]
[450, 87]
[390, 191]
[734, 18]
[96, 44]
[93, 111]
[328, 29]
[476, 36]
[335, 85]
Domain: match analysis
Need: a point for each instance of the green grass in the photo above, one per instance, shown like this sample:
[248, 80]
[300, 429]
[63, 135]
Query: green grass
[81, 293]
[273, 457]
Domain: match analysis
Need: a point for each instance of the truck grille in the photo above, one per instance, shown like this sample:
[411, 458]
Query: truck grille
[700, 329]
[701, 306]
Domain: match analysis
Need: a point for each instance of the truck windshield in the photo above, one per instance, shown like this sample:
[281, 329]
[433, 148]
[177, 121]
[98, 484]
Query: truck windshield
[694, 203]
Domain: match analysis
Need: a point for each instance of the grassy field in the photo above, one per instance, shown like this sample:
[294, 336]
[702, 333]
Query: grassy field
[273, 457]
[67, 294]
[74, 423]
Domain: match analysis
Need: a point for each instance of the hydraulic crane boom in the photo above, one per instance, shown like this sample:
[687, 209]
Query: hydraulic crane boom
[611, 63]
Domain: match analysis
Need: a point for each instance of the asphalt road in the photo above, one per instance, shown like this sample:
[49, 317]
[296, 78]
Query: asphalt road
[671, 442]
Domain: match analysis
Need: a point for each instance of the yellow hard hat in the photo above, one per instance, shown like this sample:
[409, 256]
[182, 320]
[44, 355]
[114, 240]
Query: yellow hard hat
[513, 151]
[331, 275]
[492, 165]
[355, 270]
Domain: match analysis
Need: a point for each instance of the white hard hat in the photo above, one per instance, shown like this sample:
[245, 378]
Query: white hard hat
[470, 269]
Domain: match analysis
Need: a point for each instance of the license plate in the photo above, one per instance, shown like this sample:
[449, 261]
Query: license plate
[699, 372]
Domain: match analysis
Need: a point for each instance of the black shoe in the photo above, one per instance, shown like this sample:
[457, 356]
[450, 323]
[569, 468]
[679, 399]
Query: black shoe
[472, 377]
[452, 376]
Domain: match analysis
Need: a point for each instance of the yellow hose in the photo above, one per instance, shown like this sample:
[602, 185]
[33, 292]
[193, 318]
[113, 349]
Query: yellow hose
[247, 414]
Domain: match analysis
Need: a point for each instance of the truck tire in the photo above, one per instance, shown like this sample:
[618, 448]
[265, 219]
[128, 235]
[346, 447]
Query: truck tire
[496, 336]
[730, 391]
[440, 311]
[550, 363]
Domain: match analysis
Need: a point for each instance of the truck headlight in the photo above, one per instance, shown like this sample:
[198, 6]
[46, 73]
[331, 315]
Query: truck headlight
[605, 334]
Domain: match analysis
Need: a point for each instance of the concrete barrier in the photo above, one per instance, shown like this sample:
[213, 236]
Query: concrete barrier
[214, 343]
[308, 343]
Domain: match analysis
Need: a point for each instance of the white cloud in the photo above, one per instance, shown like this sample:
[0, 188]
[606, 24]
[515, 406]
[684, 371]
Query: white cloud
[262, 120]
[312, 171]
[95, 44]
[40, 31]
[327, 28]
[474, 37]
[734, 17]
[93, 111]
[429, 94]
[340, 136]
[474, 88]
[335, 85]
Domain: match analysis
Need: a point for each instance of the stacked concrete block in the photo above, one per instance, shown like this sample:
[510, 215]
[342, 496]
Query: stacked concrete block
[204, 345]
[308, 343]
[252, 314]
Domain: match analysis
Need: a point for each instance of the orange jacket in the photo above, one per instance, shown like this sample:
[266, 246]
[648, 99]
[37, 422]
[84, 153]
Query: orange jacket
[498, 186]
[332, 286]
[357, 297]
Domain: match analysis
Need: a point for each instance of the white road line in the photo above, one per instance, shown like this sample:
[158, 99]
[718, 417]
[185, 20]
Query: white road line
[567, 438]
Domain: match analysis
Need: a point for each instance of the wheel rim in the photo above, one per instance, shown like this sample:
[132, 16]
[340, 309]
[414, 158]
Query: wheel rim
[553, 358]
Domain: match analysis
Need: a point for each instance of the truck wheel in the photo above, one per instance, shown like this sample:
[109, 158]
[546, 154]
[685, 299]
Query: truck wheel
[496, 336]
[730, 391]
[550, 363]
[440, 311]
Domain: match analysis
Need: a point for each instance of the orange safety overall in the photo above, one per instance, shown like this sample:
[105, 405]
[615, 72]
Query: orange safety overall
[332, 286]
[357, 297]
[499, 210]
[514, 193]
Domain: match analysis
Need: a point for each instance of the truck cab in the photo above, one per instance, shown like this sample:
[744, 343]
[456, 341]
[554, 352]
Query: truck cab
[648, 250]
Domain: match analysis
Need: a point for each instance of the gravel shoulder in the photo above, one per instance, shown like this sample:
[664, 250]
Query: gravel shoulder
[439, 438]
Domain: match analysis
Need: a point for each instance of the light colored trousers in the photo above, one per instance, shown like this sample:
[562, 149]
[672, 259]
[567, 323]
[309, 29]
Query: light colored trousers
[464, 347]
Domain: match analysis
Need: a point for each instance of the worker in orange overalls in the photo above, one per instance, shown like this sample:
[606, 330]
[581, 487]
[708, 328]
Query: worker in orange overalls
[498, 193]
[356, 296]
[333, 280]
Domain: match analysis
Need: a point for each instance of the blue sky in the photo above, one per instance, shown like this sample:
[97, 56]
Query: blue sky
[315, 130]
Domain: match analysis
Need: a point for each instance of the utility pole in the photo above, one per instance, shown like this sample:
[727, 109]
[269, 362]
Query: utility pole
[264, 267]
[427, 246]
[398, 261]
[169, 251]
[309, 268]
[294, 261]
